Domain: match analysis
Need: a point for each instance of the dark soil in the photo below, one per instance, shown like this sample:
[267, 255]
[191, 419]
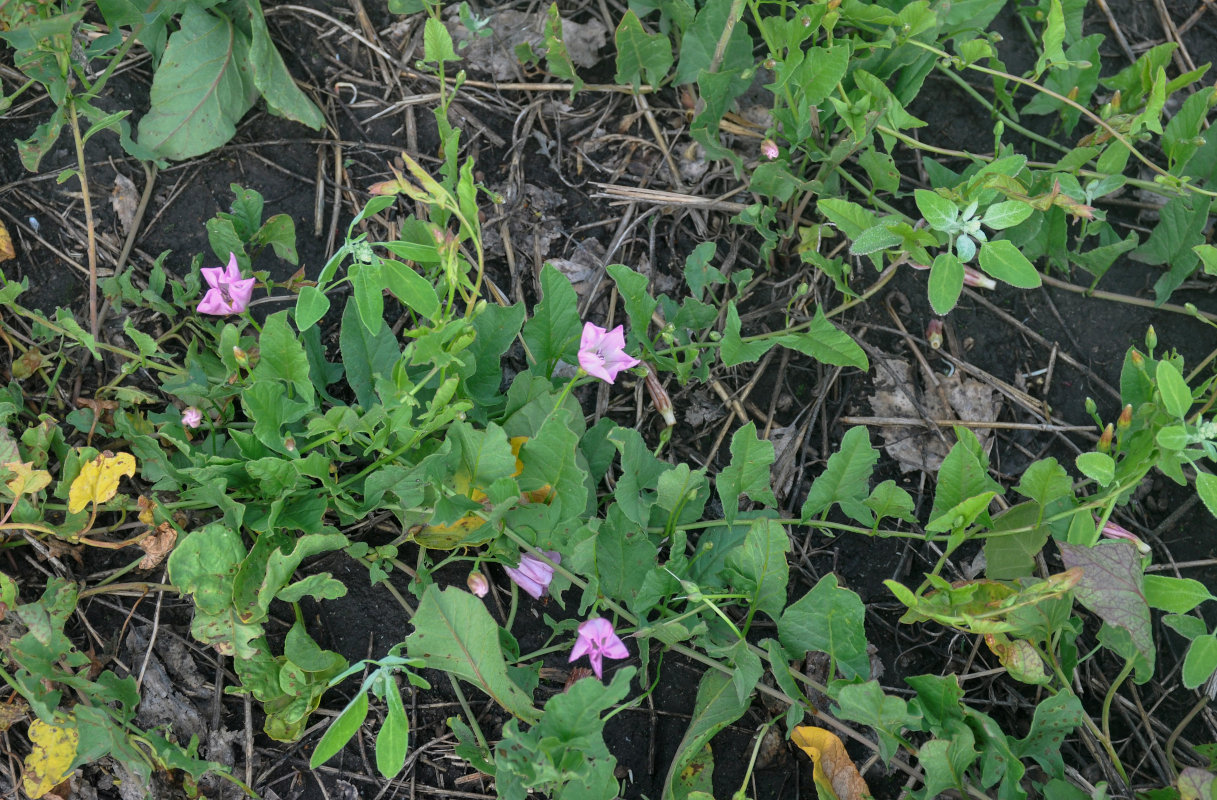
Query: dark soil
[553, 208]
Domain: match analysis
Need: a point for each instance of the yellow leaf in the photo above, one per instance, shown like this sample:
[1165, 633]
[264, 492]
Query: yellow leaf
[28, 480]
[98, 480]
[50, 761]
[451, 536]
[835, 775]
[6, 244]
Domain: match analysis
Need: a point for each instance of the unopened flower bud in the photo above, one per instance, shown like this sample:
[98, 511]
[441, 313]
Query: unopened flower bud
[933, 333]
[290, 444]
[972, 277]
[1105, 439]
[477, 584]
[1113, 531]
[1137, 360]
[192, 417]
[1125, 418]
[1091, 408]
[659, 396]
[769, 149]
[1151, 338]
[241, 356]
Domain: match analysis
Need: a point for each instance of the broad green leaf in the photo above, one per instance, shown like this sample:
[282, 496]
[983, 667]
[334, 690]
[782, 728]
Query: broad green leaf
[1206, 488]
[889, 500]
[946, 282]
[1003, 261]
[365, 354]
[311, 305]
[846, 479]
[270, 75]
[1045, 481]
[1174, 595]
[827, 619]
[1112, 588]
[640, 52]
[437, 42]
[412, 289]
[1006, 214]
[552, 334]
[340, 731]
[1176, 397]
[826, 343]
[717, 706]
[282, 357]
[1200, 661]
[732, 349]
[1179, 230]
[759, 567]
[639, 305]
[201, 88]
[748, 472]
[867, 704]
[1097, 466]
[946, 760]
[938, 699]
[550, 460]
[455, 633]
[1055, 718]
[938, 211]
[963, 475]
[1012, 555]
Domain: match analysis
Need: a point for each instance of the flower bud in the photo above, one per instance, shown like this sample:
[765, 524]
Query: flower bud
[971, 277]
[1091, 408]
[1125, 418]
[933, 333]
[1113, 531]
[1151, 338]
[769, 149]
[1137, 360]
[1105, 439]
[241, 356]
[477, 584]
[659, 397]
[289, 444]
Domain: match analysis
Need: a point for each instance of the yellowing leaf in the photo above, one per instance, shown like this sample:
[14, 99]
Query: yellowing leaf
[98, 480]
[835, 775]
[26, 480]
[456, 534]
[50, 761]
[6, 244]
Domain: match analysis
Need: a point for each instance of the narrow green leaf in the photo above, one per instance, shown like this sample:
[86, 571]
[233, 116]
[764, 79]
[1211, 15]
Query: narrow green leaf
[270, 74]
[1206, 487]
[393, 739]
[827, 344]
[1003, 261]
[1176, 397]
[344, 726]
[748, 472]
[412, 289]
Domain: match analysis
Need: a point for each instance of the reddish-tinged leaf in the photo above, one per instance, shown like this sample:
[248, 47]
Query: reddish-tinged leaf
[1112, 587]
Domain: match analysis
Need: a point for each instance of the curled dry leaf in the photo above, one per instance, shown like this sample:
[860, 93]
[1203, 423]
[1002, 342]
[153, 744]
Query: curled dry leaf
[157, 546]
[835, 775]
[124, 199]
[917, 448]
[496, 54]
[7, 251]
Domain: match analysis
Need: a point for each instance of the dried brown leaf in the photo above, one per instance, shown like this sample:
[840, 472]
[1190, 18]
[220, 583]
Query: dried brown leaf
[157, 546]
[124, 199]
[835, 775]
[7, 251]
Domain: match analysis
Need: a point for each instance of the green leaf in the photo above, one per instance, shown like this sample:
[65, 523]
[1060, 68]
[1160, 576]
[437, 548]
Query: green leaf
[552, 334]
[1180, 228]
[1097, 466]
[455, 633]
[1176, 397]
[759, 567]
[393, 739]
[748, 472]
[963, 475]
[1055, 718]
[270, 74]
[827, 619]
[1174, 595]
[939, 212]
[945, 761]
[639, 305]
[827, 344]
[311, 305]
[1012, 555]
[365, 354]
[200, 89]
[946, 282]
[867, 704]
[732, 349]
[550, 459]
[846, 479]
[283, 357]
[437, 42]
[1003, 261]
[639, 52]
[1045, 481]
[340, 731]
[1111, 587]
[872, 240]
[557, 57]
[1200, 661]
[412, 289]
[1006, 214]
[717, 706]
[1206, 488]
[889, 500]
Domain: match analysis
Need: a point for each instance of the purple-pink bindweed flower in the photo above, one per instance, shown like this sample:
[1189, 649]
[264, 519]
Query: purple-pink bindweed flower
[533, 575]
[597, 640]
[229, 292]
[769, 149]
[972, 277]
[1114, 531]
[192, 417]
[602, 353]
[477, 584]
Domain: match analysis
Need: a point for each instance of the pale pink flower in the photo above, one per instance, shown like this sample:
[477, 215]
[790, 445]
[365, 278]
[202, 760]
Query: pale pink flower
[769, 149]
[602, 353]
[597, 640]
[972, 277]
[229, 293]
[1114, 531]
[192, 417]
[477, 584]
[533, 575]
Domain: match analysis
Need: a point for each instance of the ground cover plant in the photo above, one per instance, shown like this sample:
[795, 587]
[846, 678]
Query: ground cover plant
[443, 473]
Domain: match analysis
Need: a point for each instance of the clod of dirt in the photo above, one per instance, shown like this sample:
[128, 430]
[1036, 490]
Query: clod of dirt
[495, 55]
[917, 448]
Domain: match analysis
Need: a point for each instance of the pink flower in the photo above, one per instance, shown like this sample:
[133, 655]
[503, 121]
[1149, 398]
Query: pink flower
[597, 640]
[602, 353]
[229, 293]
[477, 584]
[973, 278]
[533, 575]
[769, 149]
[192, 417]
[1113, 531]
